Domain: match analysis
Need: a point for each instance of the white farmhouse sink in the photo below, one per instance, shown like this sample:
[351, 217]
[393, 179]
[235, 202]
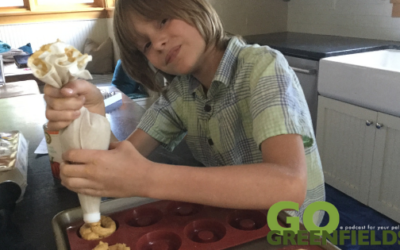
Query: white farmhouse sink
[369, 79]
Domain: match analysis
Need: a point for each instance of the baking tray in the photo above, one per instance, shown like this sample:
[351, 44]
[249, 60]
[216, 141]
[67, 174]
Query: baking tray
[67, 218]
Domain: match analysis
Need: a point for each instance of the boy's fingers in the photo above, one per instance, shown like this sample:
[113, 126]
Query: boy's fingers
[73, 88]
[113, 145]
[78, 184]
[72, 170]
[67, 115]
[51, 91]
[72, 103]
[77, 87]
[67, 92]
[80, 155]
[55, 126]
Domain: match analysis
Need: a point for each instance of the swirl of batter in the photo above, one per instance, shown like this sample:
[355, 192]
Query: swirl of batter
[99, 230]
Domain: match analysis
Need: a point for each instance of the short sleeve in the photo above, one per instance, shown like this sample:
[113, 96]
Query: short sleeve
[162, 120]
[278, 104]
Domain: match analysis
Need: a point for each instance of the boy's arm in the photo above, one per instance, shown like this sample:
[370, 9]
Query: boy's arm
[142, 141]
[282, 176]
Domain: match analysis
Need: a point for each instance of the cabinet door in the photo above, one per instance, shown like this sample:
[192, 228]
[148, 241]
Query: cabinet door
[345, 137]
[385, 188]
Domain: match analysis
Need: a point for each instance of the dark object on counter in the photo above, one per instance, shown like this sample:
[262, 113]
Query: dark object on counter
[2, 78]
[26, 48]
[316, 47]
[9, 194]
[21, 61]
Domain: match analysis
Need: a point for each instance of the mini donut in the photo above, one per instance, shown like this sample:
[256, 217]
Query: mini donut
[104, 246]
[98, 230]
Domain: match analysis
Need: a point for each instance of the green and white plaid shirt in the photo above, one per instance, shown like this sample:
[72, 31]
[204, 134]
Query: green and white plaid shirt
[254, 95]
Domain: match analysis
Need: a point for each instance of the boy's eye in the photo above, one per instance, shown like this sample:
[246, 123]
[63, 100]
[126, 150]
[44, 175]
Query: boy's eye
[164, 21]
[146, 46]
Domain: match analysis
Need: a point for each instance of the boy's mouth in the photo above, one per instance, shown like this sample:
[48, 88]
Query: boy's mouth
[172, 54]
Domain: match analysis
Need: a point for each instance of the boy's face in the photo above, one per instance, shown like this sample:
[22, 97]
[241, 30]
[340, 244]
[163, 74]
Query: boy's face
[171, 45]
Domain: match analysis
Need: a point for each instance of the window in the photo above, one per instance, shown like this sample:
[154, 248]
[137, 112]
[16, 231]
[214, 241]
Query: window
[111, 3]
[12, 3]
[43, 2]
[396, 8]
[27, 11]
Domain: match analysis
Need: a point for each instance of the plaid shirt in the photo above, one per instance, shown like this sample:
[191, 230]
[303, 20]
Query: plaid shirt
[254, 95]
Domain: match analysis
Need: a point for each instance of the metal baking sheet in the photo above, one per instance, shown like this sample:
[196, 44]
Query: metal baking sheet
[64, 219]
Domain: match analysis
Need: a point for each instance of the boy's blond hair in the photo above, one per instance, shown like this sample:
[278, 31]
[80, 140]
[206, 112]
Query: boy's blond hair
[198, 13]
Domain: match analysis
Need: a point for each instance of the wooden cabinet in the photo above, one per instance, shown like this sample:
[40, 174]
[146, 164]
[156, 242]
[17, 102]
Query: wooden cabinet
[359, 150]
[385, 189]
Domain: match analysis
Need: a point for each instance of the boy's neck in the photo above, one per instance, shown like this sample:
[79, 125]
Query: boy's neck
[206, 72]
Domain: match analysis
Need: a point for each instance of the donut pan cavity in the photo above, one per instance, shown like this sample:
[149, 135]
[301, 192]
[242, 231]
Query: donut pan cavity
[169, 225]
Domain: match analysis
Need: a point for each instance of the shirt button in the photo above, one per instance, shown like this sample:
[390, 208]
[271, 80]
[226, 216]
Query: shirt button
[210, 142]
[207, 108]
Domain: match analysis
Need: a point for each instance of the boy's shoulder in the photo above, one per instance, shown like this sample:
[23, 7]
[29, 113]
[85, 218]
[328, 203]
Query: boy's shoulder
[256, 52]
[260, 57]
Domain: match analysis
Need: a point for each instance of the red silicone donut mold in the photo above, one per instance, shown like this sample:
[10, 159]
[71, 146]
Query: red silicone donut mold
[205, 231]
[170, 225]
[183, 209]
[247, 220]
[159, 240]
[143, 217]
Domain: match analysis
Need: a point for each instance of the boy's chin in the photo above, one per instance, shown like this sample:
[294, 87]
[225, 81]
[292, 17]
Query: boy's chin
[180, 72]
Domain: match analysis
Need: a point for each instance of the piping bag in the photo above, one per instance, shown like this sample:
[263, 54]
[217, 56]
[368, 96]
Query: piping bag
[57, 64]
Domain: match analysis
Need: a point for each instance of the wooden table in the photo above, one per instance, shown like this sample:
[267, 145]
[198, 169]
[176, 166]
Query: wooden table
[13, 74]
[13, 89]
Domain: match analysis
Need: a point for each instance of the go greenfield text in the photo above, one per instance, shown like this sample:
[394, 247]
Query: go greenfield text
[315, 235]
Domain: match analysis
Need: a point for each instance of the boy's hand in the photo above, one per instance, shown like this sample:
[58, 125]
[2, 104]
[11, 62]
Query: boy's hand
[119, 172]
[63, 104]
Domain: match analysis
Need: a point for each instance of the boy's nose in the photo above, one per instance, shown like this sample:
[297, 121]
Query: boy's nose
[160, 42]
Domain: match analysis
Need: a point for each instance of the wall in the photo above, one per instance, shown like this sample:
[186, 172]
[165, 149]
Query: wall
[71, 32]
[238, 16]
[249, 17]
[244, 17]
[354, 18]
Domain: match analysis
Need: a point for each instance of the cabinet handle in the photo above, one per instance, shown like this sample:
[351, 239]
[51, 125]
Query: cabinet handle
[305, 71]
[368, 122]
[379, 125]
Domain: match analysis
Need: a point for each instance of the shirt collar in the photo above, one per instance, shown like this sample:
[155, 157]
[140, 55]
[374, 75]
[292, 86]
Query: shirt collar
[227, 67]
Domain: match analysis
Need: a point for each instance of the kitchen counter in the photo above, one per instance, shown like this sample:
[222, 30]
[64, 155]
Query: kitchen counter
[30, 224]
[316, 47]
[30, 227]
